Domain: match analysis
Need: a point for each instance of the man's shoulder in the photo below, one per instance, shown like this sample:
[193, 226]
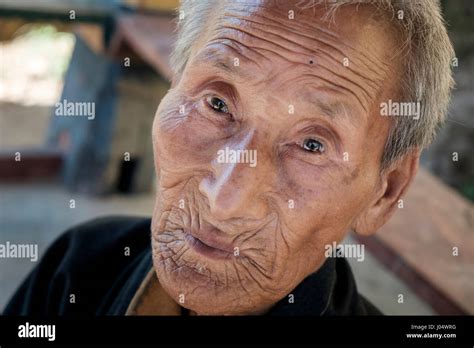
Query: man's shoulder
[105, 233]
[109, 227]
[347, 299]
[81, 267]
[101, 239]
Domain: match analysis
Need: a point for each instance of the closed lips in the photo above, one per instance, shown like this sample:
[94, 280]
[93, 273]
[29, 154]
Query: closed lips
[208, 246]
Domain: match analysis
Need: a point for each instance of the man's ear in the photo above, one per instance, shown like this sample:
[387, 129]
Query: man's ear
[394, 182]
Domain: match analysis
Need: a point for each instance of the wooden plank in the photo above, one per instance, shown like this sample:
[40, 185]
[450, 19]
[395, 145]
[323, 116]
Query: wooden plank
[60, 7]
[58, 10]
[423, 287]
[151, 37]
[417, 244]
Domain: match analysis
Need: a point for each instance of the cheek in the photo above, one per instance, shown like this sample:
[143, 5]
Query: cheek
[323, 205]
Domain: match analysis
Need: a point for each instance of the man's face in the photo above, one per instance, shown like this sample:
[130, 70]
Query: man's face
[266, 150]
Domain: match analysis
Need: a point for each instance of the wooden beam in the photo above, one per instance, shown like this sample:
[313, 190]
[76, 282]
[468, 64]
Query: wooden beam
[151, 37]
[55, 8]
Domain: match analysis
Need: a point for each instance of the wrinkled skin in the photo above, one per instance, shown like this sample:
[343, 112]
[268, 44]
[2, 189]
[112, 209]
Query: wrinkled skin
[225, 206]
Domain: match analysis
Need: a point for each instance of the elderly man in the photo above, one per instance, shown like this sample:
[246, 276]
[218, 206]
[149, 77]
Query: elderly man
[288, 124]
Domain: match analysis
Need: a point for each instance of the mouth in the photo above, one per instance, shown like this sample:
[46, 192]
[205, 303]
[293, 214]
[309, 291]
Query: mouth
[208, 248]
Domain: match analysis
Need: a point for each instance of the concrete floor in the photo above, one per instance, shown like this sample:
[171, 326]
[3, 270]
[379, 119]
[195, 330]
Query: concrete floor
[39, 212]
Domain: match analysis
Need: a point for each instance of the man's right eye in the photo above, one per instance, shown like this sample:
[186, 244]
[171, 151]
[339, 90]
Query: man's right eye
[217, 104]
[313, 145]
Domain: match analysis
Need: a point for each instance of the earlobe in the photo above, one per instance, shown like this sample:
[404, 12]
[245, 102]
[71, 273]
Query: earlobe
[394, 183]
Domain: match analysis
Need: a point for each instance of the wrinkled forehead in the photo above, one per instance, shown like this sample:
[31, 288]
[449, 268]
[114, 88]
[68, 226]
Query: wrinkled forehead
[351, 34]
[352, 24]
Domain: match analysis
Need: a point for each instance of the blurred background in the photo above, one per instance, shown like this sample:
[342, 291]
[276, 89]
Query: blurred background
[56, 171]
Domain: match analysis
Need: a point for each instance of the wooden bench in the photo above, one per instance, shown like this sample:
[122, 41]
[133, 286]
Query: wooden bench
[417, 245]
[149, 37]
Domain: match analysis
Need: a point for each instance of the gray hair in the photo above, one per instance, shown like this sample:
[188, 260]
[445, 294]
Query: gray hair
[426, 79]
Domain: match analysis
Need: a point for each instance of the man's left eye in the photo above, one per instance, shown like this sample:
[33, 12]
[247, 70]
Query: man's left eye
[313, 145]
[217, 104]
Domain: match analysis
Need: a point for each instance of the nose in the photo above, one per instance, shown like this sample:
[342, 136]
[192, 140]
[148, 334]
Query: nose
[234, 188]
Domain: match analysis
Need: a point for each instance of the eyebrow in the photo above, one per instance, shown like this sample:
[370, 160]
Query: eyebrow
[333, 110]
[223, 66]
[336, 110]
[216, 60]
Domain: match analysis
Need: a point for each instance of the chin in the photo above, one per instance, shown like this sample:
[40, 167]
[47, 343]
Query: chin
[201, 285]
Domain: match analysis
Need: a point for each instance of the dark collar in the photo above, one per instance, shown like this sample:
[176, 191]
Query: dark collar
[313, 296]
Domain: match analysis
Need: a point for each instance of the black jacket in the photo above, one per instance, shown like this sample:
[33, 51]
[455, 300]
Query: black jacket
[90, 264]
